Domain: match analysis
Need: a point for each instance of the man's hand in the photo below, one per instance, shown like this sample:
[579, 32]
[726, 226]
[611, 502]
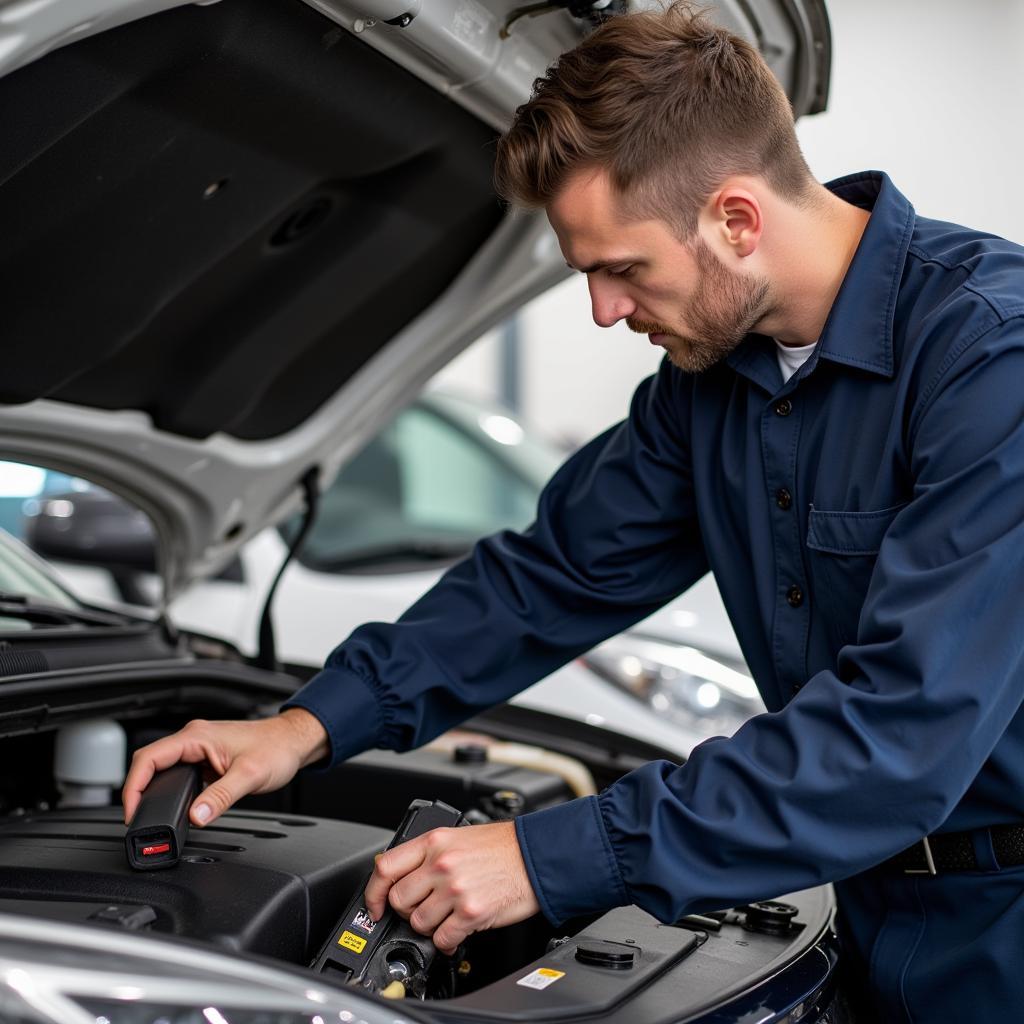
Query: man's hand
[249, 757]
[452, 882]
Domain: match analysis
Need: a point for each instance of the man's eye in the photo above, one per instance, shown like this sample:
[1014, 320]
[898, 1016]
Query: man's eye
[626, 271]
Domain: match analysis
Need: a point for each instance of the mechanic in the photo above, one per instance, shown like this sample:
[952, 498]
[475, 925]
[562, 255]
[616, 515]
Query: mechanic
[837, 432]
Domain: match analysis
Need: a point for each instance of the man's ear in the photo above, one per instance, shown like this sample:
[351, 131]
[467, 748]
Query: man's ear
[737, 219]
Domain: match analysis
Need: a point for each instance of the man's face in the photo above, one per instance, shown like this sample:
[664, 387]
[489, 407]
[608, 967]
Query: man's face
[681, 295]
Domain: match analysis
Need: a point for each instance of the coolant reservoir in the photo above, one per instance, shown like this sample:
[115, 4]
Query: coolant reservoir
[89, 761]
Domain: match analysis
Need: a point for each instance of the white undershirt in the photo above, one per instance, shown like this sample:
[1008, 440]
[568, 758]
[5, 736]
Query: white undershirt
[792, 357]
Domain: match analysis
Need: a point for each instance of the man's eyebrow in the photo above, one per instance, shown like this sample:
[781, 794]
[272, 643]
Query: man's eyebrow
[602, 264]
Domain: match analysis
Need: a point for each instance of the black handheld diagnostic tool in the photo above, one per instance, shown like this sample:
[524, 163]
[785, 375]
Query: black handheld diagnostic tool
[376, 954]
[157, 832]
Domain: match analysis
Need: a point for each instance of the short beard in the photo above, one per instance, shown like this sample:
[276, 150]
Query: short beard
[724, 309]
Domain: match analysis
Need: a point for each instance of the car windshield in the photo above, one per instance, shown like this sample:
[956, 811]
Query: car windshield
[21, 577]
[441, 474]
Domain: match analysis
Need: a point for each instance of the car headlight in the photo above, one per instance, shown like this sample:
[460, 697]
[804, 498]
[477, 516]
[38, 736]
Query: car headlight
[701, 692]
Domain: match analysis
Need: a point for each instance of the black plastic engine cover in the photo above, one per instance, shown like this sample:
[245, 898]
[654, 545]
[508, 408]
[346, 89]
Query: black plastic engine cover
[270, 884]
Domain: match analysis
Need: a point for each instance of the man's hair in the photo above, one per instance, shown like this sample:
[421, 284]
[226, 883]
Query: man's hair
[668, 104]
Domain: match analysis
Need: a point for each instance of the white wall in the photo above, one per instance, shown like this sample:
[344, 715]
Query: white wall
[931, 91]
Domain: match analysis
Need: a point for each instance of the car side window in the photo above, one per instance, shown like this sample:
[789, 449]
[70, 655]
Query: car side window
[425, 488]
[451, 482]
[100, 545]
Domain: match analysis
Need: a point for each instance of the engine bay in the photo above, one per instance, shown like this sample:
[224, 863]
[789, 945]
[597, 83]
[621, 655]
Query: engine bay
[272, 878]
[265, 878]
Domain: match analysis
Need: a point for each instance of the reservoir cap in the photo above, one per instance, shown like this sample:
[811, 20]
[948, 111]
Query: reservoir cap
[470, 753]
[770, 917]
[615, 956]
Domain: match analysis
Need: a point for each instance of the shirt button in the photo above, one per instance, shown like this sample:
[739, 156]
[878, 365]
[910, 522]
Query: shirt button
[783, 407]
[795, 596]
[783, 499]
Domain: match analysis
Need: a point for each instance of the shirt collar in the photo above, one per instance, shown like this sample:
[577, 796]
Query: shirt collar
[858, 331]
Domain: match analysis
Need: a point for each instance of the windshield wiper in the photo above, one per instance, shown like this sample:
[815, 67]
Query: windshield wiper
[411, 549]
[20, 606]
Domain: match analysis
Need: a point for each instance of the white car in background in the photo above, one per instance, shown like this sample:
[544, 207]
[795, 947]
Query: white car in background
[442, 473]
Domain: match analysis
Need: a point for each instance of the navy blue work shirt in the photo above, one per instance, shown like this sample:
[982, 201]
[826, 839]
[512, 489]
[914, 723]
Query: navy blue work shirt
[865, 524]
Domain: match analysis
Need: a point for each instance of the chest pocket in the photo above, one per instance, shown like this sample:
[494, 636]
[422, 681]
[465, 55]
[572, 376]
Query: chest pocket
[843, 548]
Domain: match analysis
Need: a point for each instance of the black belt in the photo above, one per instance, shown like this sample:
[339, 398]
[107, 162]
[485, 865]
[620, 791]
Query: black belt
[954, 851]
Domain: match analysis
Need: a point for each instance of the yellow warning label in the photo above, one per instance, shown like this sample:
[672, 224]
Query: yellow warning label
[541, 978]
[353, 942]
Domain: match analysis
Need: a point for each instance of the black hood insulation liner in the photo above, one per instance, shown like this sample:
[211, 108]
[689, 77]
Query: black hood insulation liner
[218, 214]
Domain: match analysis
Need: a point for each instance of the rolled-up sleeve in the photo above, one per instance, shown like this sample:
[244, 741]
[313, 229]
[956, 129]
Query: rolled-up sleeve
[868, 758]
[615, 538]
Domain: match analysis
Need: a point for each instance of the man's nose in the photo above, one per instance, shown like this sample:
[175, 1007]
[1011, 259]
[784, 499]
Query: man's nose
[608, 303]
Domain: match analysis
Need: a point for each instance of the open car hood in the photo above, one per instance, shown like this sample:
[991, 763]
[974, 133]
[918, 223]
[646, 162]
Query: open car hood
[239, 234]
